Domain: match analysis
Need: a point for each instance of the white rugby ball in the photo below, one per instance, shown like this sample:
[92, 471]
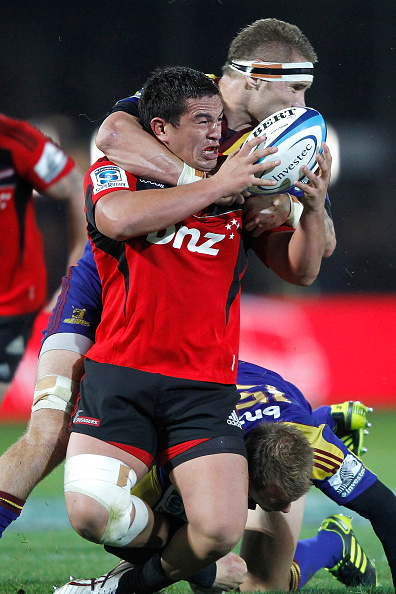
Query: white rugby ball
[298, 132]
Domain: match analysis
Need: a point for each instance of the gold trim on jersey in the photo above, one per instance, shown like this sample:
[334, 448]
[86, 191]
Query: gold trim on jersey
[327, 456]
[149, 488]
[238, 143]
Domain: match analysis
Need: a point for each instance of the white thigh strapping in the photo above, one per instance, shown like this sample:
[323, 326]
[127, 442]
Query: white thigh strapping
[108, 481]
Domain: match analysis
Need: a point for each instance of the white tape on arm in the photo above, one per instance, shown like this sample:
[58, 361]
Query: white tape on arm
[296, 209]
[190, 175]
[56, 392]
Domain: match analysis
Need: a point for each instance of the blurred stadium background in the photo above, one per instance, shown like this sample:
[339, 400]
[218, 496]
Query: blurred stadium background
[64, 64]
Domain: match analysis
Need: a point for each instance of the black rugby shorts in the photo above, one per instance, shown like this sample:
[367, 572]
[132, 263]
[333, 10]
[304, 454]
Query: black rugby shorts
[15, 332]
[151, 415]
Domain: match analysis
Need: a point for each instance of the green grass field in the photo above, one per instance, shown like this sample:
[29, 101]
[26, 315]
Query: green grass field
[34, 560]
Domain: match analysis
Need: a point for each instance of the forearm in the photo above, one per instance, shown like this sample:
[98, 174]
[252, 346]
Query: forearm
[122, 139]
[331, 240]
[123, 215]
[296, 256]
[307, 246]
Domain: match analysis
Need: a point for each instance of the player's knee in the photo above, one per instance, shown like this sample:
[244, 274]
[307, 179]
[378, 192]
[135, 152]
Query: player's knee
[114, 516]
[221, 534]
[87, 516]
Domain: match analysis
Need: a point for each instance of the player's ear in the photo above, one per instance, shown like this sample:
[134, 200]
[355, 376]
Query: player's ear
[158, 127]
[251, 83]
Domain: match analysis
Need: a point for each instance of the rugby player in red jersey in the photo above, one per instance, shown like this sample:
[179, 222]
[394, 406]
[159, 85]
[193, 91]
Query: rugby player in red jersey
[160, 378]
[29, 161]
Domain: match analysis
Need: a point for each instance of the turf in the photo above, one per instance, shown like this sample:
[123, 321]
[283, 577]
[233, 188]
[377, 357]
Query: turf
[35, 561]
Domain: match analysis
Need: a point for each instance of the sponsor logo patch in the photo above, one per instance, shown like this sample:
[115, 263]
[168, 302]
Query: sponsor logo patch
[108, 177]
[84, 420]
[77, 317]
[171, 503]
[347, 476]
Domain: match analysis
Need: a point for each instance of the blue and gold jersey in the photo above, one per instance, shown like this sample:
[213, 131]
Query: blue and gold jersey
[265, 397]
[158, 492]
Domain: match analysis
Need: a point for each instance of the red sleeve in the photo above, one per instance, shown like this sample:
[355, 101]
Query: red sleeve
[104, 177]
[36, 157]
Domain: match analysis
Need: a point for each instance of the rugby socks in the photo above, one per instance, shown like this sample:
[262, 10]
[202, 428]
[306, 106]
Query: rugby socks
[10, 509]
[323, 550]
[295, 577]
[205, 578]
[138, 556]
[146, 579]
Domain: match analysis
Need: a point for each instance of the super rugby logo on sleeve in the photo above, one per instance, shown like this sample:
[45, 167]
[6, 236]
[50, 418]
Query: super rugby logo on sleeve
[108, 177]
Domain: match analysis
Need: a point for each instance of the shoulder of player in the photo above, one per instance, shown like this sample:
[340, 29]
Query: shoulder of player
[20, 135]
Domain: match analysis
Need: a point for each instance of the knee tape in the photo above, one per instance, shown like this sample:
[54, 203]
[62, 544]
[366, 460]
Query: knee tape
[109, 482]
[55, 391]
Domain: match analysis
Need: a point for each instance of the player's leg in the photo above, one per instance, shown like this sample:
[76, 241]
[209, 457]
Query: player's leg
[214, 492]
[268, 545]
[201, 445]
[98, 481]
[216, 505]
[112, 445]
[43, 445]
[220, 488]
[203, 448]
[335, 548]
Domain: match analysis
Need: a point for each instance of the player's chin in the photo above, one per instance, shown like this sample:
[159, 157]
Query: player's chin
[208, 161]
[230, 200]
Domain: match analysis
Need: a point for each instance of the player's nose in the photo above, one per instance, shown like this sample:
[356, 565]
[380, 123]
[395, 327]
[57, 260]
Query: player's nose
[286, 509]
[299, 99]
[215, 131]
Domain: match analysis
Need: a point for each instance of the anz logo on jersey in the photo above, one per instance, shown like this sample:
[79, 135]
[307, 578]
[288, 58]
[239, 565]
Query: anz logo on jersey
[195, 243]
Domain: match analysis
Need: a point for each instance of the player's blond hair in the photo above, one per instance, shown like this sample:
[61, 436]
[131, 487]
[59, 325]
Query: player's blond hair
[280, 457]
[269, 40]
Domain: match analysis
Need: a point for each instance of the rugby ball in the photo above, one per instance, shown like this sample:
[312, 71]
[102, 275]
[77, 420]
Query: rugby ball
[298, 132]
